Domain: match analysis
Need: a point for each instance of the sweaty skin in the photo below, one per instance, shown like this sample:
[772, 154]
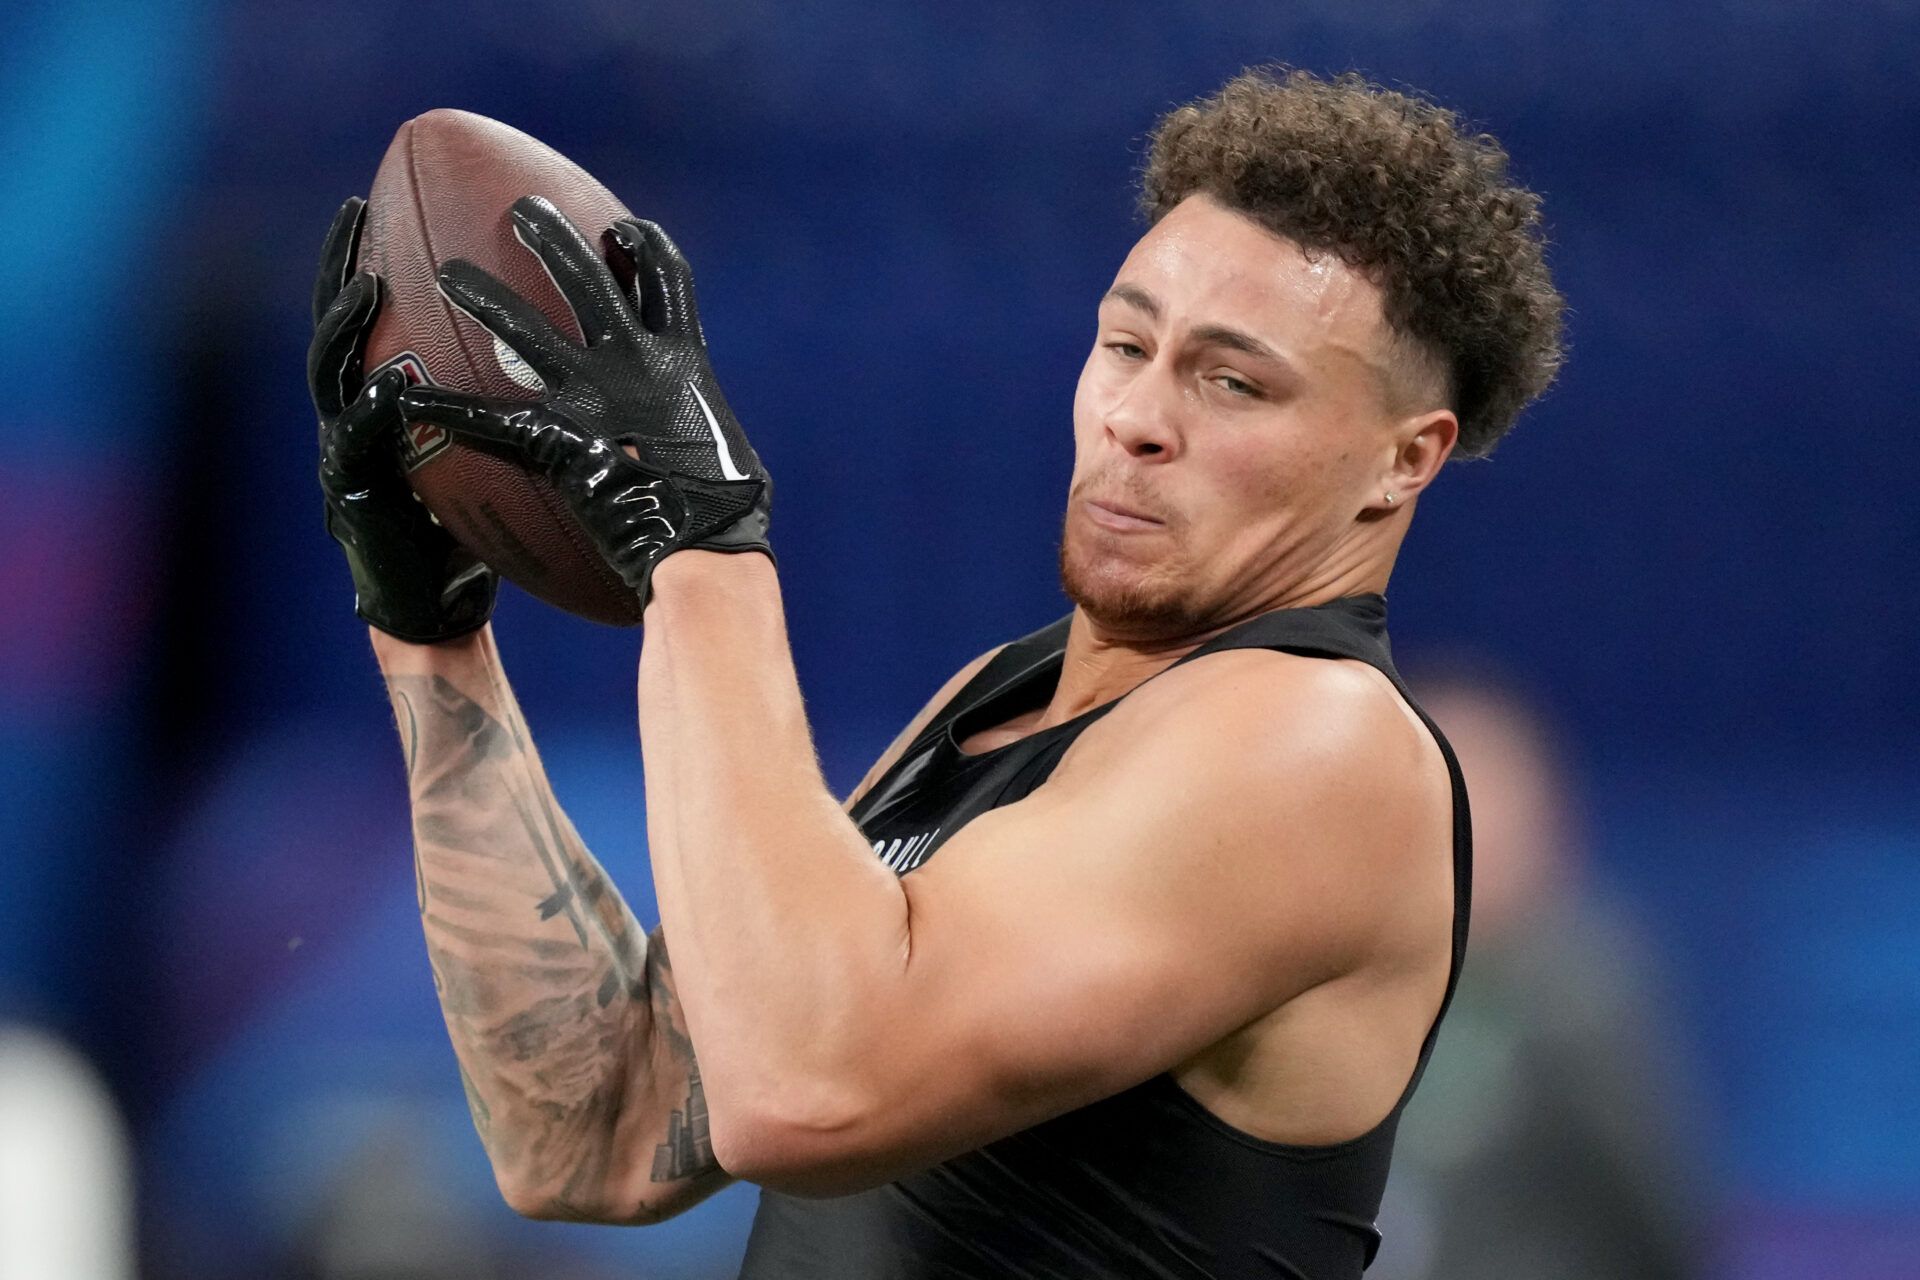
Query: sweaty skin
[1266, 914]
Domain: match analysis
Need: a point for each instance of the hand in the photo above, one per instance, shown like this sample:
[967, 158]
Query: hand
[640, 380]
[410, 578]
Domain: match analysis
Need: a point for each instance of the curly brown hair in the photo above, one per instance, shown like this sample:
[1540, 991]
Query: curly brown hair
[1392, 185]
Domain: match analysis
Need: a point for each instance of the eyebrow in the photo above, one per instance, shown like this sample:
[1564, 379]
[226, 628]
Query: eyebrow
[1134, 296]
[1216, 335]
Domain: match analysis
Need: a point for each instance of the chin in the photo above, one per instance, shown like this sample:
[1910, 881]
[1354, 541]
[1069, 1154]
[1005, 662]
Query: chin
[1128, 598]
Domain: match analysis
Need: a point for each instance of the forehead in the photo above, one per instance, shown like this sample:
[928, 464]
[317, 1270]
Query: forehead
[1207, 264]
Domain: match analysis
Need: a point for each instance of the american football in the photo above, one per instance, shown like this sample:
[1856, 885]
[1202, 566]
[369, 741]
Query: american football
[442, 192]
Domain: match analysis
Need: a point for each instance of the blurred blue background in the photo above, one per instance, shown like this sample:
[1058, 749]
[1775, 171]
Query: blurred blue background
[1698, 550]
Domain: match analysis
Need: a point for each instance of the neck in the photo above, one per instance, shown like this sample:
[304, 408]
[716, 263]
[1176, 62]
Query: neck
[1101, 664]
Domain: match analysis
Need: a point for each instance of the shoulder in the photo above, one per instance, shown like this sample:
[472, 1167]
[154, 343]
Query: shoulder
[1311, 770]
[1252, 712]
[1288, 814]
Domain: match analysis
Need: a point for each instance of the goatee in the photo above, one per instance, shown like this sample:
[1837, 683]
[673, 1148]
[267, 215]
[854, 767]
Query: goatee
[1141, 607]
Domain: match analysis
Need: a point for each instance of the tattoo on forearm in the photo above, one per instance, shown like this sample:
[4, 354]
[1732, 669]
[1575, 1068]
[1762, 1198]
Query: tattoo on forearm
[482, 1114]
[543, 1017]
[688, 1149]
[409, 723]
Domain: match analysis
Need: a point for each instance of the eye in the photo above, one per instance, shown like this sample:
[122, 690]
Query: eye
[1237, 386]
[1127, 350]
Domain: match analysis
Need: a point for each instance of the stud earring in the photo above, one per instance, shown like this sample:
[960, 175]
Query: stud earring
[1389, 499]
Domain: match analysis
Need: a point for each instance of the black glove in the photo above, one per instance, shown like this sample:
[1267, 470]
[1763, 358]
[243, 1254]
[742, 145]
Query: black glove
[641, 380]
[410, 578]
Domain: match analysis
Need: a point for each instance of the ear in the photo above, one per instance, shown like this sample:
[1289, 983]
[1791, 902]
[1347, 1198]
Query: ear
[1419, 446]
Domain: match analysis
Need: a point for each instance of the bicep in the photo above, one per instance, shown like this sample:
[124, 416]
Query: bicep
[1144, 904]
[1075, 953]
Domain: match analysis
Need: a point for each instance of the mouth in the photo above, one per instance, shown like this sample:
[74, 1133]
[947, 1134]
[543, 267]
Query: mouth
[1112, 515]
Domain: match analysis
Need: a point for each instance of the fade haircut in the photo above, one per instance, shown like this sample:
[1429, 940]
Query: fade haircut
[1392, 185]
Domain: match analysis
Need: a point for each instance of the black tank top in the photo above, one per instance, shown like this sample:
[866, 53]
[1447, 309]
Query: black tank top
[1148, 1182]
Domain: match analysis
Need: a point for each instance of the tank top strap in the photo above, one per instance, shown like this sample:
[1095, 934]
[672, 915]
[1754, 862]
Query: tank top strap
[1350, 627]
[1015, 663]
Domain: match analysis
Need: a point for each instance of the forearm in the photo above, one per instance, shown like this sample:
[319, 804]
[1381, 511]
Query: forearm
[561, 1014]
[789, 935]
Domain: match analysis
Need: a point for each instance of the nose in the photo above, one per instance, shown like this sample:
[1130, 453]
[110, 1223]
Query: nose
[1143, 415]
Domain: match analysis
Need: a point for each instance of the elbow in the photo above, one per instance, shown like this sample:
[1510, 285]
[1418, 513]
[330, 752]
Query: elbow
[795, 1160]
[811, 1142]
[544, 1202]
[525, 1196]
[531, 1199]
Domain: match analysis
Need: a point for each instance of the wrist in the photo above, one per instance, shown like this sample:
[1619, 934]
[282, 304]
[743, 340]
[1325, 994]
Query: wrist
[407, 657]
[696, 574]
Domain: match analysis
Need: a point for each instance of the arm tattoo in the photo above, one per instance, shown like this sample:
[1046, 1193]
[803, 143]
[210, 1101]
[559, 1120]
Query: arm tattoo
[688, 1149]
[561, 1010]
[482, 1113]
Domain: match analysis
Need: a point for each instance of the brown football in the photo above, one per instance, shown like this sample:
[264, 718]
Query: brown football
[443, 192]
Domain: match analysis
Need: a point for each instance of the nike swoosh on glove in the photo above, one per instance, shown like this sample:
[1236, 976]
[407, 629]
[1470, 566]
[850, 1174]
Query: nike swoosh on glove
[633, 429]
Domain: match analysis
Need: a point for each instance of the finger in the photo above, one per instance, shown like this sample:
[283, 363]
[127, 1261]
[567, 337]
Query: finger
[336, 255]
[577, 271]
[365, 428]
[508, 317]
[523, 429]
[339, 343]
[629, 258]
[662, 278]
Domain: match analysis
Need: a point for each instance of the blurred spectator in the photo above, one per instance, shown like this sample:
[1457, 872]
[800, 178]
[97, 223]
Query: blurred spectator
[66, 1183]
[386, 1216]
[1548, 1139]
[388, 1213]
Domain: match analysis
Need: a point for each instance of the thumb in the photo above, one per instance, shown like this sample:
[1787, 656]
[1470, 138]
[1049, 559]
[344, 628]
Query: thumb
[477, 417]
[525, 430]
[363, 427]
